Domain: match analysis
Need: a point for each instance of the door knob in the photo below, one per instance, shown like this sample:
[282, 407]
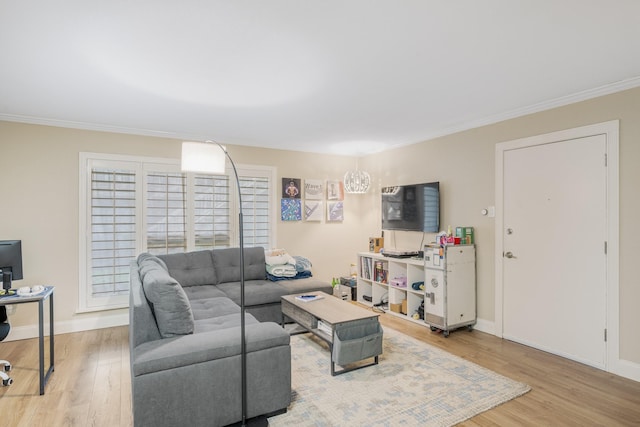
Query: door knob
[509, 255]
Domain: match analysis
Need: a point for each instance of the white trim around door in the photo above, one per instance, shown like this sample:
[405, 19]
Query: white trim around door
[611, 131]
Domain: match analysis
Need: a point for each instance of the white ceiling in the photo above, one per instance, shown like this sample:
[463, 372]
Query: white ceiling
[338, 76]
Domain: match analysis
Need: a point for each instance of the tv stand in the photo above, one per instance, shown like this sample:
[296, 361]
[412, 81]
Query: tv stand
[376, 283]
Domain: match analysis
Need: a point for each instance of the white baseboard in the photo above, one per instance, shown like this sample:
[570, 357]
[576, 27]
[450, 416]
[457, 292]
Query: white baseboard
[485, 326]
[623, 368]
[627, 369]
[87, 323]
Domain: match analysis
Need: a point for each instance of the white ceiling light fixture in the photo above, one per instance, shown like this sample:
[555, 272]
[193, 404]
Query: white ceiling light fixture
[356, 181]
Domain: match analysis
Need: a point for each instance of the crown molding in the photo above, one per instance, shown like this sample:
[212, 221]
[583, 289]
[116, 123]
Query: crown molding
[83, 125]
[471, 124]
[584, 95]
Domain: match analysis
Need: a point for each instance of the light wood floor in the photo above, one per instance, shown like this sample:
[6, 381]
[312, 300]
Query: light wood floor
[91, 384]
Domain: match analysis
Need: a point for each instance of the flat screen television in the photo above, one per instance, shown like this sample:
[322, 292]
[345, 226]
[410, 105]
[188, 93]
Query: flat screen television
[10, 261]
[411, 207]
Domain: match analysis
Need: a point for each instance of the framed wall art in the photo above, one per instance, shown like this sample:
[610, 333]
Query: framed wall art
[313, 189]
[291, 209]
[335, 211]
[313, 210]
[291, 188]
[335, 190]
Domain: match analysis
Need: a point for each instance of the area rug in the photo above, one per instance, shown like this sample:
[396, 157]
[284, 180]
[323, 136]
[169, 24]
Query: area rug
[414, 384]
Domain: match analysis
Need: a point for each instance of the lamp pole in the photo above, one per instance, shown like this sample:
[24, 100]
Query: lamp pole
[243, 344]
[197, 158]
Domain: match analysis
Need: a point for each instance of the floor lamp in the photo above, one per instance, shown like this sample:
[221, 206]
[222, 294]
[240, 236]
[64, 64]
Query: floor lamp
[209, 158]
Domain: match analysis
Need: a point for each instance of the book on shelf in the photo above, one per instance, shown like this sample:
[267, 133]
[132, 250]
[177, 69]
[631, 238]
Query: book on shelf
[365, 268]
[380, 272]
[308, 298]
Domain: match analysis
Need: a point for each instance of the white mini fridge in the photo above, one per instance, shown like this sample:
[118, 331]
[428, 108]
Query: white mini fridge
[450, 287]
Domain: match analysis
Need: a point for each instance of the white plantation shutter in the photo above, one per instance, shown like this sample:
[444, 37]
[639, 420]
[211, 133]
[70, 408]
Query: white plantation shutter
[129, 205]
[166, 195]
[256, 210]
[113, 227]
[212, 214]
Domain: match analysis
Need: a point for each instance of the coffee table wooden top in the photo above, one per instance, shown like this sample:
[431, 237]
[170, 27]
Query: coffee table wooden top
[330, 308]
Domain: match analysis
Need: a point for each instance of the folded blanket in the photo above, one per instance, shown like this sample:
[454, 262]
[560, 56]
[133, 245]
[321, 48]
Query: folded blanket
[300, 275]
[278, 257]
[282, 266]
[302, 263]
[286, 270]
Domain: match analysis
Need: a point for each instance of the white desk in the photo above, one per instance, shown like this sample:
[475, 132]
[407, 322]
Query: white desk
[40, 299]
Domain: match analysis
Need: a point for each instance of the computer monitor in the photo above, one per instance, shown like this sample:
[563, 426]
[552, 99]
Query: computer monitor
[10, 261]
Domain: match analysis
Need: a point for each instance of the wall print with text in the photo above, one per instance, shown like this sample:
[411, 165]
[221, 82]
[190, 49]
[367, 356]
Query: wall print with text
[313, 189]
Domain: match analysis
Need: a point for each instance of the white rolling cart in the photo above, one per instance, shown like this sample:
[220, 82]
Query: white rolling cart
[450, 287]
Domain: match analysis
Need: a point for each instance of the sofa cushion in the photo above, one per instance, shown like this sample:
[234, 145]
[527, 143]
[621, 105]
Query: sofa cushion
[152, 259]
[227, 264]
[308, 284]
[256, 292]
[203, 292]
[213, 307]
[169, 302]
[148, 262]
[223, 322]
[191, 268]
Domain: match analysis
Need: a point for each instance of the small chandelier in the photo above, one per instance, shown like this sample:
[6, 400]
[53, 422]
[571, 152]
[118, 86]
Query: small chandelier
[356, 182]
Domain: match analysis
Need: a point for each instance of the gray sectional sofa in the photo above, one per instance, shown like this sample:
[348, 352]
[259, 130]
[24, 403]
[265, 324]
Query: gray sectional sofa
[184, 335]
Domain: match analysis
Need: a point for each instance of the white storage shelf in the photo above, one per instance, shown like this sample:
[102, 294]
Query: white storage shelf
[376, 274]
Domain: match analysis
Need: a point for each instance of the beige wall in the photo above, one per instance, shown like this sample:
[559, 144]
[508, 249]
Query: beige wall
[464, 164]
[39, 186]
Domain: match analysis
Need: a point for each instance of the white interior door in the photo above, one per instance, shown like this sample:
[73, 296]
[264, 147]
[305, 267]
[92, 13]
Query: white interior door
[553, 239]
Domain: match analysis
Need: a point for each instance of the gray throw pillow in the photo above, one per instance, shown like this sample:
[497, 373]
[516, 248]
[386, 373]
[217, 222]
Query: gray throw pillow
[146, 257]
[170, 303]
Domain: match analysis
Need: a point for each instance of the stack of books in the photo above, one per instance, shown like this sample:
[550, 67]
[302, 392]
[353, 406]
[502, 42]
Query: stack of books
[324, 327]
[307, 298]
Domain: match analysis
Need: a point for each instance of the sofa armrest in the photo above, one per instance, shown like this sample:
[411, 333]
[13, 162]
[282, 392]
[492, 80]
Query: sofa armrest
[185, 350]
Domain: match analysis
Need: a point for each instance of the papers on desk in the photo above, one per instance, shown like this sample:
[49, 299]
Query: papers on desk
[30, 292]
[308, 298]
[24, 292]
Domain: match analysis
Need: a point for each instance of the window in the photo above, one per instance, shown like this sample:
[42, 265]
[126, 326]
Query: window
[166, 212]
[255, 210]
[133, 205]
[212, 212]
[113, 216]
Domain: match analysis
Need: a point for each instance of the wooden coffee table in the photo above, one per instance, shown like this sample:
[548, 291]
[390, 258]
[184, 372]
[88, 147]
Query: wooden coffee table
[353, 333]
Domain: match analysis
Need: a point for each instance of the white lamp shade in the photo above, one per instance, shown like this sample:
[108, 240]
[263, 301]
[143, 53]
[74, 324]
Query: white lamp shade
[356, 182]
[203, 157]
